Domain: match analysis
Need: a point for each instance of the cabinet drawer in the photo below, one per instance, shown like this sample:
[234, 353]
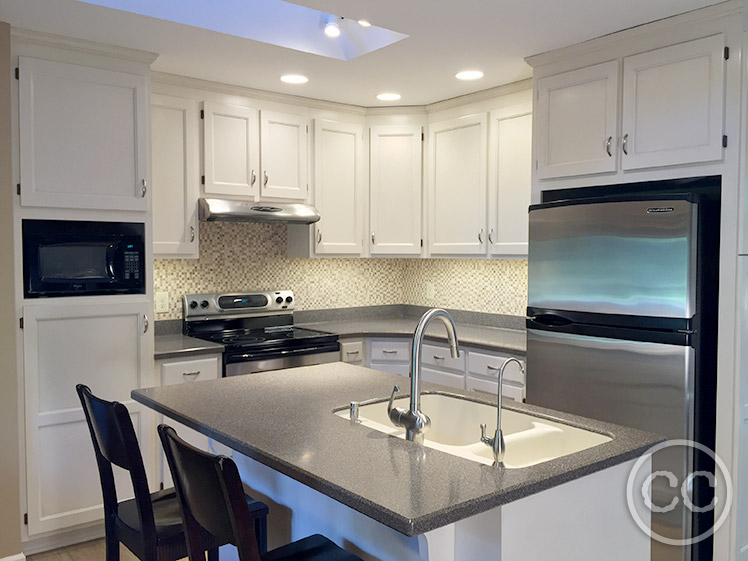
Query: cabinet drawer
[390, 351]
[441, 357]
[181, 371]
[444, 378]
[351, 351]
[511, 391]
[484, 364]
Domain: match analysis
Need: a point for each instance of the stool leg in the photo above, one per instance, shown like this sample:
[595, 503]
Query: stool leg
[112, 546]
[213, 554]
[261, 532]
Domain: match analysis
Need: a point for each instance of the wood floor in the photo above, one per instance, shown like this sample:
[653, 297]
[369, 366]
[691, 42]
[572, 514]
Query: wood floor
[89, 551]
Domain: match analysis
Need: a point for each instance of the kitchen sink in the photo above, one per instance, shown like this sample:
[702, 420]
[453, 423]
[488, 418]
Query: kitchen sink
[455, 429]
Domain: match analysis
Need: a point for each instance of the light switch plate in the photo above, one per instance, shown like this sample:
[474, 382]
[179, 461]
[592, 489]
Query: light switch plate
[161, 302]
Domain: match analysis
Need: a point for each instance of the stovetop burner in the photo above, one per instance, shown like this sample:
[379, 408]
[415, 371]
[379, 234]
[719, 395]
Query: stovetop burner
[241, 338]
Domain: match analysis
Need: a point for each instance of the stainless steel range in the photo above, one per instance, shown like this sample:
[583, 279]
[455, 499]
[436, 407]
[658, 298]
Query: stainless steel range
[258, 331]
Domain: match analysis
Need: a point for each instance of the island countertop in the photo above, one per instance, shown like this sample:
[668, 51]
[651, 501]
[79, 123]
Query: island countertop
[284, 419]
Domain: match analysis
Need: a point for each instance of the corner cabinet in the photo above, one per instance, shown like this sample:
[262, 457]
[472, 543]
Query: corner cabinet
[108, 347]
[174, 169]
[83, 137]
[395, 190]
[457, 186]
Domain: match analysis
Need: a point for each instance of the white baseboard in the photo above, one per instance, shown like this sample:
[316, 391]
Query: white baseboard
[64, 539]
[16, 557]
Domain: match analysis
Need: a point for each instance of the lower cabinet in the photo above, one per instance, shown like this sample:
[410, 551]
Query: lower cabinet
[184, 371]
[352, 351]
[108, 347]
[389, 355]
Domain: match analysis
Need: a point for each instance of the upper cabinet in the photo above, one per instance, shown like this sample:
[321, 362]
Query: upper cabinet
[283, 156]
[671, 104]
[395, 190]
[174, 165]
[83, 137]
[457, 186]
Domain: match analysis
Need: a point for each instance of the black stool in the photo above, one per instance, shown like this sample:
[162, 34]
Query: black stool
[211, 495]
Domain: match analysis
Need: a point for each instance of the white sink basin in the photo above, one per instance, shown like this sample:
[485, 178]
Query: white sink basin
[455, 429]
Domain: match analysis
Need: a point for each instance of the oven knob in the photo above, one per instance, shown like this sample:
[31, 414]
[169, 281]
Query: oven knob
[289, 299]
[204, 304]
[279, 300]
[193, 304]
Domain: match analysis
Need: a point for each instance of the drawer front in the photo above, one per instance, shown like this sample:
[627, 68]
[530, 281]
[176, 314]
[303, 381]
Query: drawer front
[181, 371]
[352, 351]
[491, 387]
[484, 364]
[436, 355]
[390, 351]
[444, 378]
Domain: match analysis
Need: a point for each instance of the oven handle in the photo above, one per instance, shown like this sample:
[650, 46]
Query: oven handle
[233, 357]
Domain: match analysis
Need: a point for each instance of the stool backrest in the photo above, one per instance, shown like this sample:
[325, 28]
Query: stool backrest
[115, 442]
[211, 496]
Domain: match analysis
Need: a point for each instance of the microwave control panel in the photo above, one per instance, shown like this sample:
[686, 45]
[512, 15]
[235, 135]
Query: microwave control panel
[132, 265]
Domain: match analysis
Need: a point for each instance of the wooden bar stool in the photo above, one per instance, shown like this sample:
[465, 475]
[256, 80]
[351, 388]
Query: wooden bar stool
[150, 525]
[211, 495]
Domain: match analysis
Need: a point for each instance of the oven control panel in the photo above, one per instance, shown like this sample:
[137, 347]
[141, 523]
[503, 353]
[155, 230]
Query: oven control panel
[201, 306]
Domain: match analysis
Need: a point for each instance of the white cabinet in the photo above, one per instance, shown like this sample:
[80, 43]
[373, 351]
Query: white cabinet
[352, 351]
[182, 371]
[231, 150]
[673, 104]
[395, 190]
[577, 114]
[174, 169]
[283, 154]
[389, 355]
[83, 137]
[457, 186]
[109, 348]
[509, 179]
[337, 187]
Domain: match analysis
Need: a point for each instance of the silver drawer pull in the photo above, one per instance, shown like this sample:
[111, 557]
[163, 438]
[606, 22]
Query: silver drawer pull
[389, 352]
[494, 368]
[352, 352]
[191, 375]
[438, 357]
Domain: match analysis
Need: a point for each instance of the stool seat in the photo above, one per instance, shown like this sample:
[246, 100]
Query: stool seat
[311, 548]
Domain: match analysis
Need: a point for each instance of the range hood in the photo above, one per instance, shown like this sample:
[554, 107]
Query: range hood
[230, 210]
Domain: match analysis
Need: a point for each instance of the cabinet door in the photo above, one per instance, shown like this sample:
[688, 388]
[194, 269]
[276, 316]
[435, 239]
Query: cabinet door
[673, 104]
[443, 378]
[577, 128]
[337, 190]
[509, 179]
[109, 348]
[232, 150]
[83, 137]
[457, 186]
[174, 139]
[284, 156]
[395, 183]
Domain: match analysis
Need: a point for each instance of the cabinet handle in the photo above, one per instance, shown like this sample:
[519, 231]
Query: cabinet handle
[625, 145]
[480, 235]
[319, 236]
[352, 352]
[494, 368]
[438, 357]
[144, 189]
[254, 178]
[145, 323]
[490, 236]
[266, 178]
[192, 233]
[372, 239]
[386, 352]
[607, 146]
[191, 375]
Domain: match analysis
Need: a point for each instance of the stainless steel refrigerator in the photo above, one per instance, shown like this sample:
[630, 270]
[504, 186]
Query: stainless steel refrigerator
[621, 325]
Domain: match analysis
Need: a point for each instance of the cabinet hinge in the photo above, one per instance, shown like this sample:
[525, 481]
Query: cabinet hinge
[20, 323]
[727, 53]
[26, 518]
[18, 188]
[724, 141]
[18, 73]
[202, 179]
[202, 114]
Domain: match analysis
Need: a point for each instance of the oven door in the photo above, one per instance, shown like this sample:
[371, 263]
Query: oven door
[247, 362]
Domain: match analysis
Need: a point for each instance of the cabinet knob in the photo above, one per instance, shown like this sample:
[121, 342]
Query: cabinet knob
[144, 189]
[625, 145]
[607, 146]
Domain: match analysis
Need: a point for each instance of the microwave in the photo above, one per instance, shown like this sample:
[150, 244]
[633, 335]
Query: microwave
[77, 258]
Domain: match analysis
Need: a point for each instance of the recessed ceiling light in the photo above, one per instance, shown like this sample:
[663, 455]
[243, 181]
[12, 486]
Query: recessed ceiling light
[294, 79]
[332, 29]
[388, 96]
[469, 75]
[364, 23]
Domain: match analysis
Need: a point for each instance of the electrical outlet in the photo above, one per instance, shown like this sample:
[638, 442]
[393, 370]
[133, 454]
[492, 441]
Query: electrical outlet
[161, 302]
[429, 291]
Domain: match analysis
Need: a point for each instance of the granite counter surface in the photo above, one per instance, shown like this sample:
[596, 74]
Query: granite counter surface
[181, 346]
[284, 419]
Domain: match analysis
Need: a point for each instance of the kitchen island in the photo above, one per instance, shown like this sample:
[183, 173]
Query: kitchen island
[386, 498]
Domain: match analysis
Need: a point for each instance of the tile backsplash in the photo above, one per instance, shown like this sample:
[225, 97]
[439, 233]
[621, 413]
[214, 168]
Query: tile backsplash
[236, 256]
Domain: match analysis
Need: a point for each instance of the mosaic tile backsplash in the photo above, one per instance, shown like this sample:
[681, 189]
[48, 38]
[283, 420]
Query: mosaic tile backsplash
[235, 257]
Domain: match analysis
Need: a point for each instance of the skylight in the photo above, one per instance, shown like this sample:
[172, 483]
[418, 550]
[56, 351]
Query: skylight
[269, 21]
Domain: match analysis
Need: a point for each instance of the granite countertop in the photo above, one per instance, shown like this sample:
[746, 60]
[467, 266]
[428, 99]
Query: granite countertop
[284, 419]
[172, 346]
[490, 338]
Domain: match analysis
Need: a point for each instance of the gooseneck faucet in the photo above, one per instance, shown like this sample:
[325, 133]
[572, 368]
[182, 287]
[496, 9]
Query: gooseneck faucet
[497, 442]
[415, 421]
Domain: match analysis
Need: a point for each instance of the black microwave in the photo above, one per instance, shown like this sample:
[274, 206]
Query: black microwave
[77, 258]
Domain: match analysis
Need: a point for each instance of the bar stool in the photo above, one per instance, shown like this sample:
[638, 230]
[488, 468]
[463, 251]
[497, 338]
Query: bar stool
[211, 495]
[149, 525]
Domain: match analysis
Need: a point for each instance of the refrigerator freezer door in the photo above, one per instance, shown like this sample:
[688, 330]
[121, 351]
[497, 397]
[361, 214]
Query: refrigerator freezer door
[632, 258]
[648, 386]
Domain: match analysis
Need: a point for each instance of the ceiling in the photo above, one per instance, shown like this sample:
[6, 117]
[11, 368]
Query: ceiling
[444, 38]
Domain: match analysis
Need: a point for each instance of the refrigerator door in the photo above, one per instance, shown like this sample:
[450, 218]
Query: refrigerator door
[644, 385]
[635, 258]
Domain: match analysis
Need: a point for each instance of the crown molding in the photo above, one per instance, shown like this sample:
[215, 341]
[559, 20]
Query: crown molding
[482, 95]
[396, 110]
[81, 46]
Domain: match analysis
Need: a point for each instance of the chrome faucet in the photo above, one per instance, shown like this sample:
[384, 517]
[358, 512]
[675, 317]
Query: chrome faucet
[415, 421]
[497, 442]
